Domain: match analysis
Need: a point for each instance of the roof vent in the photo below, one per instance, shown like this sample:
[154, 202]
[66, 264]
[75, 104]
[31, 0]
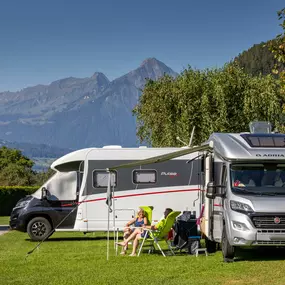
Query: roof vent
[112, 146]
[260, 127]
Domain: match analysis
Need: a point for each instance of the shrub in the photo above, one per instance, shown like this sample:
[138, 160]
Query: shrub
[10, 195]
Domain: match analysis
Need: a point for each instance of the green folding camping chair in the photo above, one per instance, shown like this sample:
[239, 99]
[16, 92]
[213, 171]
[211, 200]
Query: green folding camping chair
[163, 228]
[148, 213]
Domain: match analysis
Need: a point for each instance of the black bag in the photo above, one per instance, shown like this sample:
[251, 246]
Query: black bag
[185, 227]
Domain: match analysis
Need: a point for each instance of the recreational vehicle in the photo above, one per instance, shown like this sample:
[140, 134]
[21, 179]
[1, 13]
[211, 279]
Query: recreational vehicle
[74, 199]
[242, 186]
[244, 203]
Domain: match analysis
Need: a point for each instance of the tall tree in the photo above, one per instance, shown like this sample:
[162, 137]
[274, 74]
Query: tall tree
[277, 47]
[218, 100]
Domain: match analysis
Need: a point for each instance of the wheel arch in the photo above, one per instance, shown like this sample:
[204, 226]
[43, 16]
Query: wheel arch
[35, 215]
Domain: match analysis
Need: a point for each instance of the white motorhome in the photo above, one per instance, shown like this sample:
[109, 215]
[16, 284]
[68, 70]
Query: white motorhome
[74, 199]
[245, 194]
[242, 182]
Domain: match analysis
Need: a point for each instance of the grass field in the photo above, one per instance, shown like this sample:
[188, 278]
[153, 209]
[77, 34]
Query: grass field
[4, 220]
[72, 258]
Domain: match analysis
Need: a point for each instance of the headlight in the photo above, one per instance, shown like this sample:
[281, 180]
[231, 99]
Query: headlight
[240, 226]
[240, 207]
[22, 204]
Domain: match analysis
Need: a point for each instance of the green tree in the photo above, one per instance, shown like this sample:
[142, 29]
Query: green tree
[15, 168]
[217, 100]
[277, 47]
[42, 177]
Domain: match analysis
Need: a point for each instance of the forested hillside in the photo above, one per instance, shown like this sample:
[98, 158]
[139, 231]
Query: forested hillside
[257, 60]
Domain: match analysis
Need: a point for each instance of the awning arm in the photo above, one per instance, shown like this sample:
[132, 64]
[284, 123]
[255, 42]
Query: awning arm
[164, 157]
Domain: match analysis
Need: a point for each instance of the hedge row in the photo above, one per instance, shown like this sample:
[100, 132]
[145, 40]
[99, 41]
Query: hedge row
[10, 195]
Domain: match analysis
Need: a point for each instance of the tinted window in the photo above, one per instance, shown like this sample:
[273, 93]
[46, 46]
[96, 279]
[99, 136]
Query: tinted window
[100, 179]
[144, 176]
[277, 140]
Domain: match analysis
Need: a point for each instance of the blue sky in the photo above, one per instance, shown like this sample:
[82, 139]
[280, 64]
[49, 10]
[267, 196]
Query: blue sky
[42, 41]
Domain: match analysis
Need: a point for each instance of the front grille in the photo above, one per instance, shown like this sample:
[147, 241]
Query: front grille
[269, 242]
[271, 231]
[269, 222]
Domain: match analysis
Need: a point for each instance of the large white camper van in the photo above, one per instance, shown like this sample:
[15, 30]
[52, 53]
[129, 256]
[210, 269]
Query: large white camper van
[243, 178]
[80, 185]
[244, 203]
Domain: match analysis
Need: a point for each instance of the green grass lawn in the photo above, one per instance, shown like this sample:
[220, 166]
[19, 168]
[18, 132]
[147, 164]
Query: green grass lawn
[72, 258]
[4, 220]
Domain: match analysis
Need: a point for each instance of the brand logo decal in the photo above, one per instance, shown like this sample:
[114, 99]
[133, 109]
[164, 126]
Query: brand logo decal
[277, 220]
[270, 155]
[171, 174]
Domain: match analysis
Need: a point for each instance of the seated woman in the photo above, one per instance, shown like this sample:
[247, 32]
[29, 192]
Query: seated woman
[140, 232]
[138, 222]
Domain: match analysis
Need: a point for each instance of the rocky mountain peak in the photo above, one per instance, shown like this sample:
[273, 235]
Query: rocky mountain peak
[151, 61]
[100, 77]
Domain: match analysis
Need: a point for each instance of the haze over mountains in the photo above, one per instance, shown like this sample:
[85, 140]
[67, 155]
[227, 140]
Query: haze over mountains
[78, 112]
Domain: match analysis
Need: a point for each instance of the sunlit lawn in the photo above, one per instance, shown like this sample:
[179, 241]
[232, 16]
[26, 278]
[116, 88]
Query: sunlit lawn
[72, 258]
[4, 220]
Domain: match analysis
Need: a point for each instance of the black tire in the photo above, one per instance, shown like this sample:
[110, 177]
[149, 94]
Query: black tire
[227, 249]
[211, 245]
[39, 228]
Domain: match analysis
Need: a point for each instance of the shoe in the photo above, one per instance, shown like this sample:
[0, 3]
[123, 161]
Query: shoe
[133, 254]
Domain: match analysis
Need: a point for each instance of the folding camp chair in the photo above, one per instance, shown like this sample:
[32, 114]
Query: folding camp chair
[154, 236]
[148, 213]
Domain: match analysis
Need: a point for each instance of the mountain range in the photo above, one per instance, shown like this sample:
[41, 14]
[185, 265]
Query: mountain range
[47, 121]
[78, 112]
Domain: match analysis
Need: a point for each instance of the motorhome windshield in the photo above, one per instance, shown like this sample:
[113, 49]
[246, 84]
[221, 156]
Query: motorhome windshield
[258, 179]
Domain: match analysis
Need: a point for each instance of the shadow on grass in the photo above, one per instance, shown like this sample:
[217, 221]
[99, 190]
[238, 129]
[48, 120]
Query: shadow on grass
[260, 254]
[72, 239]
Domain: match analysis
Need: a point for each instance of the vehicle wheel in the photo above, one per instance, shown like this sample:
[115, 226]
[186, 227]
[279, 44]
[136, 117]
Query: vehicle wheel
[211, 245]
[227, 249]
[39, 228]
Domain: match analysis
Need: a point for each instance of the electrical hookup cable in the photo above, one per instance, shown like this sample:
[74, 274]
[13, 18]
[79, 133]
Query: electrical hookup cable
[53, 230]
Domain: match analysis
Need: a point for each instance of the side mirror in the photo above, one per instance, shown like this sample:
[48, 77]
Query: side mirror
[211, 190]
[220, 190]
[44, 193]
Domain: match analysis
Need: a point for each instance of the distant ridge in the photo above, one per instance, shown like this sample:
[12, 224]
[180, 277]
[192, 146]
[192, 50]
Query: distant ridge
[257, 60]
[36, 150]
[78, 112]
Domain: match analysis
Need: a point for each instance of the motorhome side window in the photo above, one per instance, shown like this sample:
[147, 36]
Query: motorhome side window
[143, 176]
[100, 179]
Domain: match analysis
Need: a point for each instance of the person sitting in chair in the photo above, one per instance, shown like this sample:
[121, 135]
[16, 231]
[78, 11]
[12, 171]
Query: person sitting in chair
[138, 222]
[140, 233]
